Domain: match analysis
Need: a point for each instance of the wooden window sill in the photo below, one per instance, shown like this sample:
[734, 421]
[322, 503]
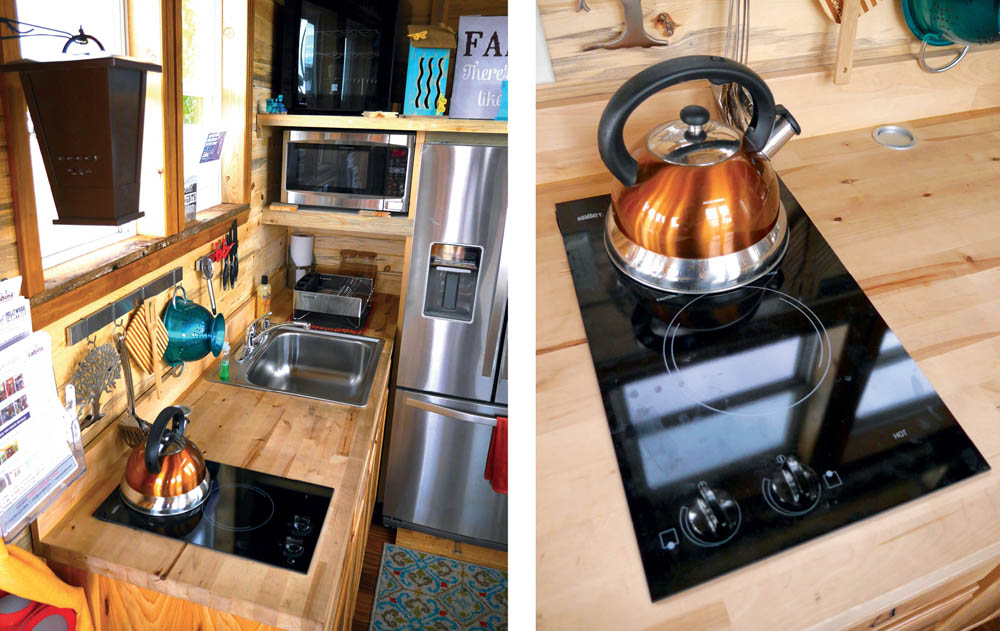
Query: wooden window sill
[87, 278]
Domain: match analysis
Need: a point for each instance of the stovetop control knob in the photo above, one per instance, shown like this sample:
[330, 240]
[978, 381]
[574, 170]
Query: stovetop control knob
[713, 517]
[793, 487]
[293, 547]
[301, 525]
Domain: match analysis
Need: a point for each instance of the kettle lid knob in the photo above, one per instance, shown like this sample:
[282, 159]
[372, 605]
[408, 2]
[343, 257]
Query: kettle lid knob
[695, 117]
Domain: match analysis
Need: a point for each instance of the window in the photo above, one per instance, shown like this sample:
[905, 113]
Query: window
[105, 20]
[201, 99]
[202, 92]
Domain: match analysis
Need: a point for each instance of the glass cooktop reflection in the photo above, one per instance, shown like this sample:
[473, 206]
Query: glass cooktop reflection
[250, 514]
[747, 422]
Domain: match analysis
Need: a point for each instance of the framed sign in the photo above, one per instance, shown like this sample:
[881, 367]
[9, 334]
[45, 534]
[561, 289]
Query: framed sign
[480, 67]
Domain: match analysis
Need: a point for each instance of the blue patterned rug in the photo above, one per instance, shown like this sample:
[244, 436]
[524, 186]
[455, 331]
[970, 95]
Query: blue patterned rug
[418, 591]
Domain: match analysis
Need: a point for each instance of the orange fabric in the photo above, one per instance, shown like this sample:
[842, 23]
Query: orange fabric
[27, 576]
[496, 460]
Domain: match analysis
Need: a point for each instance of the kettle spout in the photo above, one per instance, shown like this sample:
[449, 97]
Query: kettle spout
[785, 127]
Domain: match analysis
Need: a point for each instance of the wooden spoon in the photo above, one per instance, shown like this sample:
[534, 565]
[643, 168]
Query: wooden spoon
[834, 9]
[151, 326]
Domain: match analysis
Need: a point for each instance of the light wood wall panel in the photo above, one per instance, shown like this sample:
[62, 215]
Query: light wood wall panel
[785, 35]
[879, 93]
[261, 250]
[390, 259]
[8, 237]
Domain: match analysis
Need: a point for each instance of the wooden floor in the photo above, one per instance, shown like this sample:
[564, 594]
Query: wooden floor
[377, 536]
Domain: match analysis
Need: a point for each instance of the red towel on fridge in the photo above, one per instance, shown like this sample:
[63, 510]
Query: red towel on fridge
[496, 460]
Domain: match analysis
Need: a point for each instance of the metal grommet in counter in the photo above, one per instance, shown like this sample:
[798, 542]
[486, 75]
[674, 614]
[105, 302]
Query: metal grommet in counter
[894, 137]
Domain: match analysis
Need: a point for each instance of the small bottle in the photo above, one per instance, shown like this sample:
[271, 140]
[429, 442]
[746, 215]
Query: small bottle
[263, 304]
[224, 367]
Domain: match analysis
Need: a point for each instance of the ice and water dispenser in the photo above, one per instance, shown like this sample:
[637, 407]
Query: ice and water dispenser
[452, 281]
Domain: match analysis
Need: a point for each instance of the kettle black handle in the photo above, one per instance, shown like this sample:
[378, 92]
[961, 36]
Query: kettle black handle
[171, 412]
[718, 70]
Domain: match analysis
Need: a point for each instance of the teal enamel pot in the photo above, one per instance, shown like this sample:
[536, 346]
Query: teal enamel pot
[192, 331]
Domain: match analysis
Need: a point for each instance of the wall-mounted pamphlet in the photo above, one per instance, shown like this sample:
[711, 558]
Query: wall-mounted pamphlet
[480, 67]
[40, 448]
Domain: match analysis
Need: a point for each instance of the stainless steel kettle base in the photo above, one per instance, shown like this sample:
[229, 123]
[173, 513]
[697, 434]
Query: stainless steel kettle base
[161, 506]
[696, 276]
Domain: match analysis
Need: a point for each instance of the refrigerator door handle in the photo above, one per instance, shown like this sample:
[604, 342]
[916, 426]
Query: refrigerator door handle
[450, 413]
[497, 312]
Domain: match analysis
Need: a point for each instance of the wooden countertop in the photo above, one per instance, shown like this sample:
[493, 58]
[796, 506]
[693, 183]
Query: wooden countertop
[292, 437]
[920, 231]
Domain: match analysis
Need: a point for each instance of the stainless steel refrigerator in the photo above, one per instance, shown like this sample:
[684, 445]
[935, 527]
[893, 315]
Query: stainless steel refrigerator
[451, 375]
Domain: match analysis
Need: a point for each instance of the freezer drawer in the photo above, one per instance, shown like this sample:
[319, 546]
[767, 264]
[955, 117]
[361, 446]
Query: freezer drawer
[435, 479]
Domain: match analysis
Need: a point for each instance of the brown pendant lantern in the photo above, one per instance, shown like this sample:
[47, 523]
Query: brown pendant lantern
[88, 116]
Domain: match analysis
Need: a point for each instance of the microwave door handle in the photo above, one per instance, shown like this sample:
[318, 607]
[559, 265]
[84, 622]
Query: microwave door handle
[450, 413]
[497, 312]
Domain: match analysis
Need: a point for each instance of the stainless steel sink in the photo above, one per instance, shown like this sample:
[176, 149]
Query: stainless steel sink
[335, 367]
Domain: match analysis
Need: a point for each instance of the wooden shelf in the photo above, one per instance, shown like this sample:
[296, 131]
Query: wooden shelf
[407, 123]
[387, 227]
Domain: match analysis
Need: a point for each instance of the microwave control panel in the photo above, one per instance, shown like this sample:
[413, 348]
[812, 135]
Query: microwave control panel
[395, 172]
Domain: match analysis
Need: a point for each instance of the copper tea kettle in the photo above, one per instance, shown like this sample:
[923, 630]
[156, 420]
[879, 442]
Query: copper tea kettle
[166, 475]
[696, 208]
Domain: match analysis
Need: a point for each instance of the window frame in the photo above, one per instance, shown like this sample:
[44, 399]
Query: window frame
[140, 252]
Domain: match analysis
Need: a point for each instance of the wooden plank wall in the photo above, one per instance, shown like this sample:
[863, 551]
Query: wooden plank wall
[791, 46]
[785, 35]
[390, 255]
[262, 251]
[8, 238]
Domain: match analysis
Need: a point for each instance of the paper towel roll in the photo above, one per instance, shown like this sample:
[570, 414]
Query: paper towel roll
[301, 249]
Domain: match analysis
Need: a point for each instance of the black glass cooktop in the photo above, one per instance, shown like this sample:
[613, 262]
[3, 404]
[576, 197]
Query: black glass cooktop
[250, 514]
[748, 422]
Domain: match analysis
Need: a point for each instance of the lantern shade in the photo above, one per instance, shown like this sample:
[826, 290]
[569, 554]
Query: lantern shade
[88, 117]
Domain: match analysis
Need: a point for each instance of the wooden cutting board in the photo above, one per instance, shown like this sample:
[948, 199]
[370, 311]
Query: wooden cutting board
[138, 343]
[835, 8]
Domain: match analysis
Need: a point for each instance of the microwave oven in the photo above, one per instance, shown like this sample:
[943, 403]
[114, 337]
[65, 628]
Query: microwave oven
[336, 56]
[348, 170]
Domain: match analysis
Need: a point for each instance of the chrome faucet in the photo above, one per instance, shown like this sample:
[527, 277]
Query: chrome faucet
[258, 330]
[255, 332]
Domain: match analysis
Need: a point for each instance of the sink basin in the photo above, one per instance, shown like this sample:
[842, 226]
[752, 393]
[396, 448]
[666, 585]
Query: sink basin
[336, 367]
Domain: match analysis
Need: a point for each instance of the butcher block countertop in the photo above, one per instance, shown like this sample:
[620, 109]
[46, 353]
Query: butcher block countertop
[292, 437]
[920, 231]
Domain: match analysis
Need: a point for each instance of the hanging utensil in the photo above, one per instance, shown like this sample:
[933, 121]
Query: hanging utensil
[95, 376]
[192, 330]
[234, 266]
[734, 103]
[153, 325]
[132, 428]
[633, 34]
[834, 9]
[139, 337]
[939, 23]
[206, 267]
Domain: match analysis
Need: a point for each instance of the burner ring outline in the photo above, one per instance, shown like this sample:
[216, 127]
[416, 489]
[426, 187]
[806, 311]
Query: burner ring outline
[210, 504]
[825, 349]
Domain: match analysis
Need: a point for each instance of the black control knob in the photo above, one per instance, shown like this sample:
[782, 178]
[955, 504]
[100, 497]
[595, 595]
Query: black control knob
[793, 487]
[301, 525]
[293, 547]
[713, 516]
